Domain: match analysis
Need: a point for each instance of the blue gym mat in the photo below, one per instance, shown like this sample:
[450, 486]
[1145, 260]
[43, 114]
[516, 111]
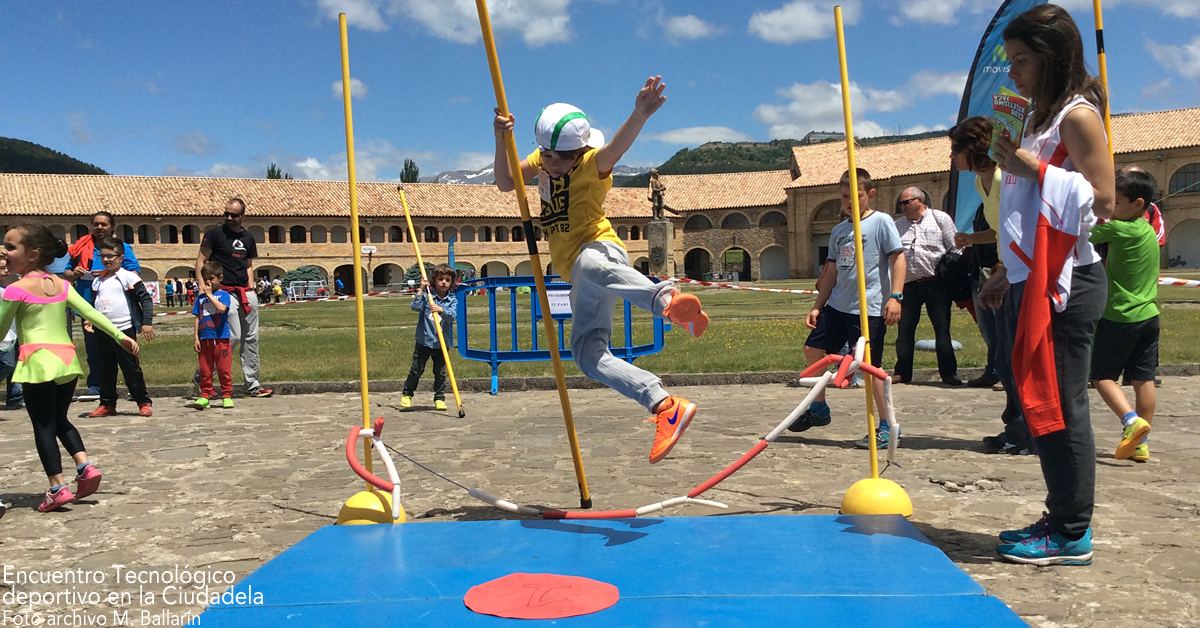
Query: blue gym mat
[812, 570]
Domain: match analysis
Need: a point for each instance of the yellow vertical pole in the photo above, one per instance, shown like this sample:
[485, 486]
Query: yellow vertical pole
[356, 243]
[858, 253]
[514, 167]
[437, 320]
[1103, 71]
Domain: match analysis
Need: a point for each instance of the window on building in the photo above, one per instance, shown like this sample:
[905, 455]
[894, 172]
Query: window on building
[170, 234]
[829, 211]
[377, 235]
[502, 234]
[485, 234]
[448, 233]
[145, 234]
[518, 234]
[697, 223]
[634, 233]
[297, 235]
[467, 234]
[319, 235]
[623, 232]
[735, 221]
[191, 234]
[338, 235]
[395, 234]
[1185, 180]
[431, 234]
[275, 235]
[773, 219]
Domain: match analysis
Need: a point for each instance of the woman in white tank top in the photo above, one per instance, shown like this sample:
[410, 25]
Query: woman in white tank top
[1051, 287]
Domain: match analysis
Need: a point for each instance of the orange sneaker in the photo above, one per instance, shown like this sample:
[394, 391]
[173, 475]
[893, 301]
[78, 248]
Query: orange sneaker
[674, 415]
[103, 410]
[684, 309]
[145, 409]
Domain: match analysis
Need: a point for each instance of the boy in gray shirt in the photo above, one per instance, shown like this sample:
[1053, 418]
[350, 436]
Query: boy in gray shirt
[834, 319]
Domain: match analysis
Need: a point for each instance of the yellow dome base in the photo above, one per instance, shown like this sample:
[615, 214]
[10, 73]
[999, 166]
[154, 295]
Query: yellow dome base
[876, 496]
[368, 507]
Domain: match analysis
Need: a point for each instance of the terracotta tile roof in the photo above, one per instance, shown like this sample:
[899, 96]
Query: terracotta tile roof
[823, 164]
[693, 192]
[76, 195]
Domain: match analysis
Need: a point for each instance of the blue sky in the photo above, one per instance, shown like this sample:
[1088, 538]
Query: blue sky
[224, 88]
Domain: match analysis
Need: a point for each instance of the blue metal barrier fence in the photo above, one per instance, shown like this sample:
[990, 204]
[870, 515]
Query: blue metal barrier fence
[557, 290]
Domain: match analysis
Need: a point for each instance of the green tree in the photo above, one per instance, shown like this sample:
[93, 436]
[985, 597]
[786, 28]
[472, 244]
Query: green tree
[414, 272]
[274, 172]
[411, 173]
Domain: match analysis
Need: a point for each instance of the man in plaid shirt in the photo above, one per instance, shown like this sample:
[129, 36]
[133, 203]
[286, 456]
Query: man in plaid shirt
[927, 234]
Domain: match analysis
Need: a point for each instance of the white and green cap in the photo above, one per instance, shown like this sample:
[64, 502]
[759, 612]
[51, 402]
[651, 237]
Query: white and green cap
[564, 127]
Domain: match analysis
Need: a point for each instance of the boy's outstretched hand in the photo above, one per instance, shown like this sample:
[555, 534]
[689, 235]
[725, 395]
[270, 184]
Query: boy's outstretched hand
[650, 98]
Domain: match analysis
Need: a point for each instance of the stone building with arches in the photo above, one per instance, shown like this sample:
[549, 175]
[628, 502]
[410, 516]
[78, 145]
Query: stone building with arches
[757, 225]
[781, 219]
[304, 223]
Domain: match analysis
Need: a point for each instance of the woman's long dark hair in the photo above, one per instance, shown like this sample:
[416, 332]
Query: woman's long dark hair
[973, 135]
[38, 237]
[1050, 32]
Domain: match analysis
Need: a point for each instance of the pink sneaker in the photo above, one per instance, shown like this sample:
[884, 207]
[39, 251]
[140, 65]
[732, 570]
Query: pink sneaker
[57, 500]
[87, 482]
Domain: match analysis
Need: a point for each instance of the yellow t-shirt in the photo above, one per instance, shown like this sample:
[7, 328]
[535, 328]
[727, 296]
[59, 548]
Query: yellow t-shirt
[573, 209]
[991, 200]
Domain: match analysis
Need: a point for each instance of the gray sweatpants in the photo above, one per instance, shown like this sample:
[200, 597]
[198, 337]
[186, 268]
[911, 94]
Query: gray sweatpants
[243, 337]
[602, 275]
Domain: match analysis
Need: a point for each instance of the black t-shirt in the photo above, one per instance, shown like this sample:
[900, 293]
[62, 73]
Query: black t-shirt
[233, 251]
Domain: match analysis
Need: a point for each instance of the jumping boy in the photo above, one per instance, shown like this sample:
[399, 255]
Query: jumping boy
[834, 319]
[1127, 334]
[445, 305]
[574, 167]
[122, 298]
[212, 337]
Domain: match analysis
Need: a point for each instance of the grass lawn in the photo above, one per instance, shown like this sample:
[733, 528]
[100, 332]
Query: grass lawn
[750, 331]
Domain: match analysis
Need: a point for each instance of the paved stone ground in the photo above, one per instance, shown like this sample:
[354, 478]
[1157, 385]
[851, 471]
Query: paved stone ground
[232, 489]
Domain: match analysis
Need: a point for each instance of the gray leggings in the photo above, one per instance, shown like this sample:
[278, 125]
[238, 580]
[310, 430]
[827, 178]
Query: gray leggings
[602, 275]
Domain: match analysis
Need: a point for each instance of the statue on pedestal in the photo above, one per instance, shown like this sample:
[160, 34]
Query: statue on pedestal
[656, 194]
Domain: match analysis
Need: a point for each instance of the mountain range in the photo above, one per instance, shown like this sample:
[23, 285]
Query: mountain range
[487, 175]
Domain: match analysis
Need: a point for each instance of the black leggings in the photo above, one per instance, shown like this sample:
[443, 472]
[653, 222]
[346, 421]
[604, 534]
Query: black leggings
[47, 404]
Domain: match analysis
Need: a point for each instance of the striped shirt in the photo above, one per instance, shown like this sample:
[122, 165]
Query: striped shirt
[925, 241]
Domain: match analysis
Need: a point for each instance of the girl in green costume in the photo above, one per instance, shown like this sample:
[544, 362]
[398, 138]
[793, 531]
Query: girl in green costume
[46, 363]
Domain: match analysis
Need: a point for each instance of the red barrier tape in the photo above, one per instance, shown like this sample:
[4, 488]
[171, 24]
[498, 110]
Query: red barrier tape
[600, 514]
[713, 284]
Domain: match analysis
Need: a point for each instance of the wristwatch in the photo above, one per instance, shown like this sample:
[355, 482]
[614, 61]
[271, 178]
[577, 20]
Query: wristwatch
[899, 296]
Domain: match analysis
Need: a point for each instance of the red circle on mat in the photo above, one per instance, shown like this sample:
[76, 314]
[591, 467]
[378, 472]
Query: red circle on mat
[540, 596]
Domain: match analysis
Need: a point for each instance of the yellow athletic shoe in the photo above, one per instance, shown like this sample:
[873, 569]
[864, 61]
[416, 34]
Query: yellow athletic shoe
[438, 404]
[1131, 437]
[674, 415]
[406, 402]
[684, 309]
[1141, 453]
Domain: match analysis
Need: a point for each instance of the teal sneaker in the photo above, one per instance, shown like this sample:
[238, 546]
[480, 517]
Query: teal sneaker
[1039, 528]
[882, 436]
[1049, 549]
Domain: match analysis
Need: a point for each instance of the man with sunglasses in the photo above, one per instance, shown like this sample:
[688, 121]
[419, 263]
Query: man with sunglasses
[84, 267]
[927, 234]
[232, 246]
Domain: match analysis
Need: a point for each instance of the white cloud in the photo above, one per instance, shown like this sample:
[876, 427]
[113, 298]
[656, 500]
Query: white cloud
[931, 11]
[195, 143]
[683, 27]
[361, 13]
[801, 20]
[1184, 59]
[696, 135]
[77, 124]
[219, 170]
[358, 89]
[817, 106]
[1174, 8]
[1160, 88]
[153, 87]
[539, 22]
[921, 128]
[472, 161]
[372, 160]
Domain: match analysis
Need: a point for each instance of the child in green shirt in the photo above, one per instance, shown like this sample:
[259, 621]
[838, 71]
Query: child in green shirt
[1127, 334]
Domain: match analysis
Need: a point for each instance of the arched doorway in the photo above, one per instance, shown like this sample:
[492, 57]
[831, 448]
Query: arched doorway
[697, 263]
[495, 269]
[642, 264]
[523, 269]
[346, 274]
[386, 275]
[736, 260]
[773, 263]
[1183, 246]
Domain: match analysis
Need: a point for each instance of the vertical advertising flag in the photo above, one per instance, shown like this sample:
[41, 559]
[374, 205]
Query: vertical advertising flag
[989, 72]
